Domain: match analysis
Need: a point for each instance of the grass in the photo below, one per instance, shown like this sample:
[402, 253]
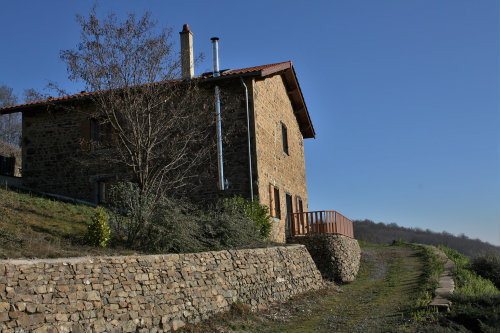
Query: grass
[389, 288]
[468, 283]
[429, 277]
[35, 227]
[476, 301]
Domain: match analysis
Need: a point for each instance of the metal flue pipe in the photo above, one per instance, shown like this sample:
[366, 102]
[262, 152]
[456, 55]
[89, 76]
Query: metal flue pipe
[248, 138]
[215, 53]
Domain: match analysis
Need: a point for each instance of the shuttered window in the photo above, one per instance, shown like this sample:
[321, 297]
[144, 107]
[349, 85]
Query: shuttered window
[274, 204]
[96, 135]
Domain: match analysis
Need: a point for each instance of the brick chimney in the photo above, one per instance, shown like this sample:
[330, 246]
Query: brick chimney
[187, 63]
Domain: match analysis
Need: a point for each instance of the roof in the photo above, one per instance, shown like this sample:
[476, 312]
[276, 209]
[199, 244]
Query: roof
[284, 68]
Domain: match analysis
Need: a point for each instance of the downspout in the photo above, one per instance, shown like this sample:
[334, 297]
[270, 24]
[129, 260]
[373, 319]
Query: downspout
[248, 134]
[215, 52]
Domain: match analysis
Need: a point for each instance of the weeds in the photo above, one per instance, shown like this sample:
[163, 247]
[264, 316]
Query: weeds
[476, 301]
[468, 283]
[432, 269]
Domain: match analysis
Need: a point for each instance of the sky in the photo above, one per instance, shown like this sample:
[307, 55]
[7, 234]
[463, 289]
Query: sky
[403, 94]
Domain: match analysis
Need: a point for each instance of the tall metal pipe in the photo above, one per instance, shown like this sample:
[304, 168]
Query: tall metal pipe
[215, 52]
[248, 137]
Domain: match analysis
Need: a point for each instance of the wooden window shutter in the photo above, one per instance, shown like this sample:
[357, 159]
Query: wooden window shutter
[85, 134]
[271, 201]
[277, 203]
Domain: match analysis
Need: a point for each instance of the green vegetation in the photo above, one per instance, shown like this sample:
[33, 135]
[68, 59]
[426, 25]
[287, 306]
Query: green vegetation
[98, 232]
[488, 266]
[152, 223]
[431, 270]
[476, 301]
[254, 211]
[35, 227]
[468, 282]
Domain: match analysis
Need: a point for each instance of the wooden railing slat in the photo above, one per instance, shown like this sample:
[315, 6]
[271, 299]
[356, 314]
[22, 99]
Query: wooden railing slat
[320, 222]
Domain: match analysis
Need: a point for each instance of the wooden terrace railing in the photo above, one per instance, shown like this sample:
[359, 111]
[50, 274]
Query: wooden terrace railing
[320, 222]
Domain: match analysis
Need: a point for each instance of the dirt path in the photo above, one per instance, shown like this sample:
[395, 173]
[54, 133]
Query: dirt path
[378, 301]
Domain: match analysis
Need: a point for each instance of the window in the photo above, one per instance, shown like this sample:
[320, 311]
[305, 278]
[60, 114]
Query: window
[274, 206]
[277, 207]
[103, 187]
[284, 138]
[102, 192]
[100, 133]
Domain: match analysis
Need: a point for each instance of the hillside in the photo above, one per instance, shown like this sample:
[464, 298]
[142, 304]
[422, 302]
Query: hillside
[35, 227]
[381, 233]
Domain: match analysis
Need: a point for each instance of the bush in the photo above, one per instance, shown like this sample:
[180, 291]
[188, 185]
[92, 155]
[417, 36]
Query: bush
[174, 228]
[476, 313]
[468, 283]
[132, 212]
[98, 232]
[158, 224]
[226, 225]
[253, 210]
[488, 266]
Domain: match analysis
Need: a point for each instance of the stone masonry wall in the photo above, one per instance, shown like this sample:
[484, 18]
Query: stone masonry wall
[54, 161]
[51, 140]
[336, 256]
[272, 106]
[156, 293]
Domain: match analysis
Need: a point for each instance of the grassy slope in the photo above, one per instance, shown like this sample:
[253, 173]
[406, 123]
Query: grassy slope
[36, 227]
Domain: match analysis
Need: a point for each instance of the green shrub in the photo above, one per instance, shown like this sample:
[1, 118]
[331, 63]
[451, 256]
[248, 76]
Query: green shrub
[477, 313]
[132, 211]
[144, 221]
[399, 242]
[98, 231]
[227, 225]
[468, 283]
[253, 210]
[488, 266]
[174, 228]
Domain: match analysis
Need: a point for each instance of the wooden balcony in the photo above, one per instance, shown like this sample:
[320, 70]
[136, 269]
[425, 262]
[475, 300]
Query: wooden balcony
[320, 223]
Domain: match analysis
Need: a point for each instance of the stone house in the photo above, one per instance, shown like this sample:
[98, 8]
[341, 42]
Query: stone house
[279, 122]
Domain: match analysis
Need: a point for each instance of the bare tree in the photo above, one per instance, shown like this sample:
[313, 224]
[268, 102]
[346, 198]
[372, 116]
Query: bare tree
[10, 124]
[158, 127]
[32, 95]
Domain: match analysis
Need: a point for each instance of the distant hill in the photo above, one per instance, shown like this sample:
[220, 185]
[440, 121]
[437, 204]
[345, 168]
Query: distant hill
[381, 233]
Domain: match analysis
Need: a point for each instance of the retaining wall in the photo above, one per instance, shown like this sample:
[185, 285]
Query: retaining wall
[155, 293]
[336, 256]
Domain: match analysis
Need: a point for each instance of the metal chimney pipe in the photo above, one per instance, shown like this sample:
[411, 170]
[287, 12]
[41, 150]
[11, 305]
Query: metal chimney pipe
[215, 55]
[215, 52]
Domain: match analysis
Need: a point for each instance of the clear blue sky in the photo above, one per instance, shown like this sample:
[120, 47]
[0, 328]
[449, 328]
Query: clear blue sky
[404, 94]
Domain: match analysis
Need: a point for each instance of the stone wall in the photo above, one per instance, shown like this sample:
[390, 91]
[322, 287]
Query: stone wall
[156, 293]
[336, 256]
[51, 147]
[287, 172]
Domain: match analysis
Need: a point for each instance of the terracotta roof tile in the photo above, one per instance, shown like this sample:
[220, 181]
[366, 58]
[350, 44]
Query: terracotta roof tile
[264, 70]
[203, 76]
